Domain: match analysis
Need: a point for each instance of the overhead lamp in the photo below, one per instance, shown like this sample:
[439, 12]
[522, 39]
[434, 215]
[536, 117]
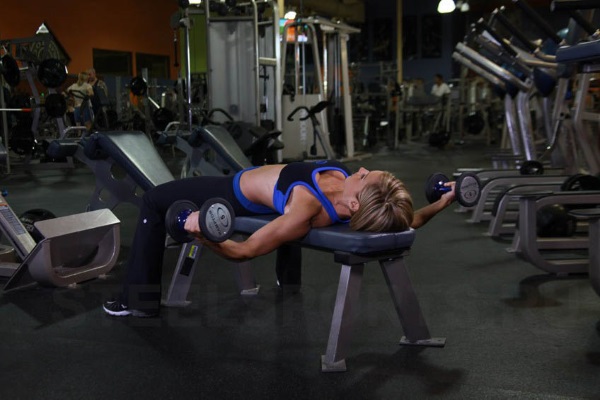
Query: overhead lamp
[464, 7]
[290, 15]
[446, 6]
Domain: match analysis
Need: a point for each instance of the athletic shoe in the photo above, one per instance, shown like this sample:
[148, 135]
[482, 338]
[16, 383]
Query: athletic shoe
[116, 309]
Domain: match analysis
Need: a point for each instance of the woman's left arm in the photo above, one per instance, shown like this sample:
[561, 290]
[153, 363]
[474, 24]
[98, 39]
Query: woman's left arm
[423, 215]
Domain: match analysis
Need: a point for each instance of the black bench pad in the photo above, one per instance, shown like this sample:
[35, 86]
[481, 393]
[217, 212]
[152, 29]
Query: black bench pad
[338, 237]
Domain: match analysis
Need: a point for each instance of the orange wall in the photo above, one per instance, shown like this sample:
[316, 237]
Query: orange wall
[126, 25]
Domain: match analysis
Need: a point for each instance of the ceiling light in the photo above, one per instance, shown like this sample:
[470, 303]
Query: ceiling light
[465, 7]
[446, 6]
[290, 15]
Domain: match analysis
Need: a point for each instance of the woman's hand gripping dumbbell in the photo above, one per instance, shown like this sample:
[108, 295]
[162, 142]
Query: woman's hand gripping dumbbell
[467, 188]
[215, 220]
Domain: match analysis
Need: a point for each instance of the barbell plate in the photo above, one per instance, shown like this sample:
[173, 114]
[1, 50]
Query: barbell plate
[138, 86]
[55, 105]
[52, 73]
[581, 182]
[531, 167]
[10, 70]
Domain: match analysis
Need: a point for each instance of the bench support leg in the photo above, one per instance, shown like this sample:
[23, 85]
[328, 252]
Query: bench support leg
[343, 315]
[243, 274]
[244, 277]
[180, 284]
[407, 305]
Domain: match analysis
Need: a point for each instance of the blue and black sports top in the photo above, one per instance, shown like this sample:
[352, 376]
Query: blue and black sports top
[292, 175]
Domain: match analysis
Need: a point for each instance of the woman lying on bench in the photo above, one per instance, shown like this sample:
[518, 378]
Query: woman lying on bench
[306, 195]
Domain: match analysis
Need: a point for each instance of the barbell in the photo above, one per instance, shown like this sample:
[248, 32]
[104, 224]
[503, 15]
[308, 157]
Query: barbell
[54, 104]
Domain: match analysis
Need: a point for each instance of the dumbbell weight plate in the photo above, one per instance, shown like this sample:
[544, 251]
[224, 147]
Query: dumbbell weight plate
[531, 167]
[216, 220]
[52, 73]
[468, 189]
[10, 69]
[581, 182]
[172, 220]
[431, 194]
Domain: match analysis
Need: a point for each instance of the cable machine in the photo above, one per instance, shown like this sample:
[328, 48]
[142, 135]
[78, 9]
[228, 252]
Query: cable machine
[311, 77]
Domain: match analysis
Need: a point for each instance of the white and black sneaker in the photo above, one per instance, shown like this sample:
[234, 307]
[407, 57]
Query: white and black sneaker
[117, 309]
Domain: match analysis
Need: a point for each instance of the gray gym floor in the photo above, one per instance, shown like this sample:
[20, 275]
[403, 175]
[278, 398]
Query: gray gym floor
[512, 331]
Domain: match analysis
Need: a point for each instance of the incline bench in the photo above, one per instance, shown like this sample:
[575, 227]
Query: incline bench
[133, 152]
[352, 250]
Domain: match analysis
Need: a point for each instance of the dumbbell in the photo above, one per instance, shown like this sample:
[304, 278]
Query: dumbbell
[216, 218]
[467, 189]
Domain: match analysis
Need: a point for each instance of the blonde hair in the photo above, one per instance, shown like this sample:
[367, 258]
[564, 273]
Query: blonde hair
[385, 206]
[81, 77]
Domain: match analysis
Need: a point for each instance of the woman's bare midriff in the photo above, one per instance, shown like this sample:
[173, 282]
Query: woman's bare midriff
[258, 184]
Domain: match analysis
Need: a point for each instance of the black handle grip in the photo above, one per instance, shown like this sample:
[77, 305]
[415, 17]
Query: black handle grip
[175, 56]
[291, 116]
[500, 17]
[559, 5]
[538, 20]
[482, 25]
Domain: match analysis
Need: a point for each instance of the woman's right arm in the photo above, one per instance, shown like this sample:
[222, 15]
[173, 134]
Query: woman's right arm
[294, 224]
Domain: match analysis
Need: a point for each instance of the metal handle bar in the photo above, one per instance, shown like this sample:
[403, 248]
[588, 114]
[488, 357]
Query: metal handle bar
[317, 108]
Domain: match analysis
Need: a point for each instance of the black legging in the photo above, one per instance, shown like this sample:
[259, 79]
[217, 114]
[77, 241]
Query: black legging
[142, 289]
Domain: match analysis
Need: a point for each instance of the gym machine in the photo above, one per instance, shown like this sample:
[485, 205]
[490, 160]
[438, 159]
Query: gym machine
[54, 261]
[39, 58]
[313, 79]
[243, 61]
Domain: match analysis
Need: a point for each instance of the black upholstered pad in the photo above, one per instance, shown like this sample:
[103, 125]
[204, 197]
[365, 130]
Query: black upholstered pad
[338, 237]
[134, 152]
[224, 144]
[586, 51]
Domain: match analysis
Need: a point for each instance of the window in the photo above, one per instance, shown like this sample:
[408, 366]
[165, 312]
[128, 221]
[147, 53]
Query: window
[111, 62]
[157, 65]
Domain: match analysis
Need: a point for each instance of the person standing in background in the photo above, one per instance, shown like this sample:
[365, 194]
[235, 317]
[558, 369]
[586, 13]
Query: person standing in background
[80, 93]
[100, 97]
[440, 88]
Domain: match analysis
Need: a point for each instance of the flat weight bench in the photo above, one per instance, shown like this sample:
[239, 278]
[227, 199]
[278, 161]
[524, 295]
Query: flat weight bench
[352, 250]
